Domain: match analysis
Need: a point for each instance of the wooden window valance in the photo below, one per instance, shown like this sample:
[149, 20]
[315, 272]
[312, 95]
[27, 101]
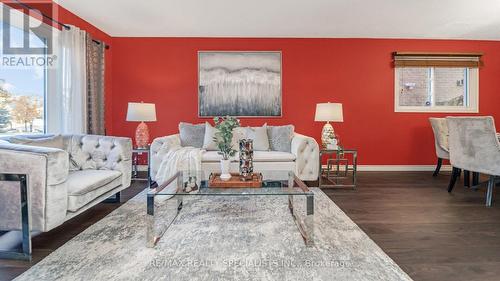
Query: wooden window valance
[413, 59]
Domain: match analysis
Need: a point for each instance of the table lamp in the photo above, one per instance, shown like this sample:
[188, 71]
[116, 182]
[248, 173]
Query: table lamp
[329, 112]
[141, 112]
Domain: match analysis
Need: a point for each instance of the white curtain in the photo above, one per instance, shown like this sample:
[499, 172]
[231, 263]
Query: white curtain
[67, 108]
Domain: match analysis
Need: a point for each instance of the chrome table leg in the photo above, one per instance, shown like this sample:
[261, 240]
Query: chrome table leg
[305, 226]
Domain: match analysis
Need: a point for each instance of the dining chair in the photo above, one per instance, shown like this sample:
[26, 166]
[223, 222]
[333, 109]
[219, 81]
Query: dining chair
[440, 129]
[474, 146]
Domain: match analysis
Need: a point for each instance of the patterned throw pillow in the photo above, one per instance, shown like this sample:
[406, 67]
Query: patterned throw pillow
[192, 134]
[280, 137]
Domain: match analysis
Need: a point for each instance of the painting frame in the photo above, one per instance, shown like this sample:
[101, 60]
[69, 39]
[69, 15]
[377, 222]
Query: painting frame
[280, 96]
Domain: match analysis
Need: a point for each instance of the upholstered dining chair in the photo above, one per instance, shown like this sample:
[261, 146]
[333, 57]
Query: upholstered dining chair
[440, 129]
[474, 146]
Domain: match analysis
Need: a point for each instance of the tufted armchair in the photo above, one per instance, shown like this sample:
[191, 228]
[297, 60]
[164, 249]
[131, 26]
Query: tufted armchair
[62, 183]
[303, 158]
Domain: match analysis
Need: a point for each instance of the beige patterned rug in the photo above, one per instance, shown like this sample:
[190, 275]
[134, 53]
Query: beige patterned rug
[216, 238]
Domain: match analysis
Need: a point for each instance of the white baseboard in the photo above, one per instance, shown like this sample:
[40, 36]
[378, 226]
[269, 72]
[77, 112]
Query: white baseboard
[374, 168]
[401, 168]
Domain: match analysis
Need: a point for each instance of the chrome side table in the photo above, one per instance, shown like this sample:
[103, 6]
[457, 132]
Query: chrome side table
[340, 169]
[135, 161]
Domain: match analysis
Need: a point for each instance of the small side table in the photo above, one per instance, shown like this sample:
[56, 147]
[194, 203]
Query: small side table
[135, 155]
[332, 173]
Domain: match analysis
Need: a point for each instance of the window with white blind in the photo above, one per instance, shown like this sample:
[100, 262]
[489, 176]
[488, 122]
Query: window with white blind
[436, 82]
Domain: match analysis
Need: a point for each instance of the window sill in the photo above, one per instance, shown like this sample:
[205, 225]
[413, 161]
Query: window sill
[418, 109]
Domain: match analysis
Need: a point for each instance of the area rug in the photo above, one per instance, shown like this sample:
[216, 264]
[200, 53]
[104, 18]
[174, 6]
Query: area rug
[214, 238]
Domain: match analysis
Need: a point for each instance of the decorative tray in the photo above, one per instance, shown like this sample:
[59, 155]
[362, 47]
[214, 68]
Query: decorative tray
[236, 180]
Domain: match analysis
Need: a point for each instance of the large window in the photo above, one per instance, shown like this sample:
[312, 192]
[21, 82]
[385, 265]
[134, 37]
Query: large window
[429, 85]
[23, 81]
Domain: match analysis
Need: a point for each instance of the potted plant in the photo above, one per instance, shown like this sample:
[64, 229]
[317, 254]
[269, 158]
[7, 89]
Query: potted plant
[223, 138]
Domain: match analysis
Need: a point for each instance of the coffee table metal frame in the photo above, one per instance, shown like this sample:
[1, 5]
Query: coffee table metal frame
[298, 188]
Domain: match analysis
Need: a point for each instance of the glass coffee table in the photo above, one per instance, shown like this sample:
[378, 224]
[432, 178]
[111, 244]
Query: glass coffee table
[164, 202]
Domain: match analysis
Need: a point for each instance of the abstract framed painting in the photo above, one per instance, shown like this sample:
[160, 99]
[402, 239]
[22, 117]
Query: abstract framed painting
[242, 84]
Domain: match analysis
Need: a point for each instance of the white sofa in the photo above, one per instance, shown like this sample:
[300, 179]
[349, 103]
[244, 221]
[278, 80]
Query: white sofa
[100, 167]
[303, 158]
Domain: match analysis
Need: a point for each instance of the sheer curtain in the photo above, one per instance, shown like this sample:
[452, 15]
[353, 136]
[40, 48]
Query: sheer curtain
[67, 108]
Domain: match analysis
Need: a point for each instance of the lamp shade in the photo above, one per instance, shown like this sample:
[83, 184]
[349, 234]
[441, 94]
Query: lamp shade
[141, 112]
[329, 112]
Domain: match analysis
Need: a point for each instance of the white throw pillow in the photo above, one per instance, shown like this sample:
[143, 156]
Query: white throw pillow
[259, 137]
[208, 140]
[239, 133]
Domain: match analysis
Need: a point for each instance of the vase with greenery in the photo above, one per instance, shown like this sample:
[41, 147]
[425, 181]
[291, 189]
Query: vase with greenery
[223, 138]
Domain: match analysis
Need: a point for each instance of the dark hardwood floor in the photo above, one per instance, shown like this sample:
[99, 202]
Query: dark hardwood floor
[431, 234]
[46, 243]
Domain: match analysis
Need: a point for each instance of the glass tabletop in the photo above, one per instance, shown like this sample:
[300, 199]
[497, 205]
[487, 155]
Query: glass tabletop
[202, 183]
[180, 191]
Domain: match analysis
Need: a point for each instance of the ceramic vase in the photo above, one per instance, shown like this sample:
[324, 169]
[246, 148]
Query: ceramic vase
[142, 135]
[224, 167]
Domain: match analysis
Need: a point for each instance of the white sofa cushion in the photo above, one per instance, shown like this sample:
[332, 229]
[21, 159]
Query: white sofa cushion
[258, 156]
[86, 185]
[273, 156]
[214, 156]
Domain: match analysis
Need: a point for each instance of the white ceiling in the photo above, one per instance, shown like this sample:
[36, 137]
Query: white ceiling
[445, 19]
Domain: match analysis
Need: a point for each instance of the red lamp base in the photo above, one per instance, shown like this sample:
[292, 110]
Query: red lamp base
[142, 135]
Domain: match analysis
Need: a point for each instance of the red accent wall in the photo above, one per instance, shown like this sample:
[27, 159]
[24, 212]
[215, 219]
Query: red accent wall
[355, 72]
